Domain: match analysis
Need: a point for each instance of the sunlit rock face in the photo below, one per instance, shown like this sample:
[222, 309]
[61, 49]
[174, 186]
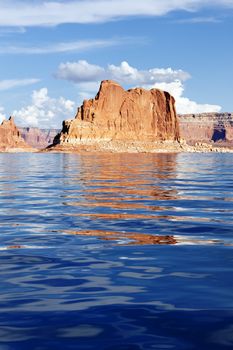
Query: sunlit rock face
[10, 137]
[207, 127]
[117, 114]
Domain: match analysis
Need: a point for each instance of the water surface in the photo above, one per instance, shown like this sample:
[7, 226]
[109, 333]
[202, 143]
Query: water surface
[116, 251]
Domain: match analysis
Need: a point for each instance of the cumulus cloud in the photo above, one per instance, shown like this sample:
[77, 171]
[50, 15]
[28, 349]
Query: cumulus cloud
[127, 74]
[51, 13]
[14, 83]
[82, 72]
[2, 114]
[45, 110]
[88, 76]
[62, 47]
[183, 104]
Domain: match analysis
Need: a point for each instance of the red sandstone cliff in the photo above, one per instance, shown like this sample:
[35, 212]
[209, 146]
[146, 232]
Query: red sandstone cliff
[119, 115]
[10, 137]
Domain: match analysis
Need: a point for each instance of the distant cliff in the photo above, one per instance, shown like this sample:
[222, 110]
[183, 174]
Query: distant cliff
[207, 127]
[118, 115]
[38, 138]
[10, 138]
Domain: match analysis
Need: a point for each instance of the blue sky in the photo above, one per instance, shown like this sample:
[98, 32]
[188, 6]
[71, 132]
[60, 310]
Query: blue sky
[53, 54]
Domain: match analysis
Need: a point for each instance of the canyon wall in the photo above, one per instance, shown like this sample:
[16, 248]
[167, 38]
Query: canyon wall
[38, 138]
[118, 115]
[207, 127]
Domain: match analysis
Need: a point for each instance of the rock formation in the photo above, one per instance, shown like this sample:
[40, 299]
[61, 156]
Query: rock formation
[136, 115]
[38, 138]
[10, 138]
[207, 127]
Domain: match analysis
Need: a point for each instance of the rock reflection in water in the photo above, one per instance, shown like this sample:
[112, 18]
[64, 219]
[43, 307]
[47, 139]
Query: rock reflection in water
[131, 238]
[129, 171]
[111, 185]
[127, 238]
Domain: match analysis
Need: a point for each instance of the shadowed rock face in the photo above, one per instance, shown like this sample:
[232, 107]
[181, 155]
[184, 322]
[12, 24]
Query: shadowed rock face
[207, 127]
[116, 114]
[38, 138]
[10, 136]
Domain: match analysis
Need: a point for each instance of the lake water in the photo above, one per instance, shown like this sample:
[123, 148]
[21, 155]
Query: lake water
[116, 252]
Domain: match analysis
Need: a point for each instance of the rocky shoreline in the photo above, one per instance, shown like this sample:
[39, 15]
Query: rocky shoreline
[137, 147]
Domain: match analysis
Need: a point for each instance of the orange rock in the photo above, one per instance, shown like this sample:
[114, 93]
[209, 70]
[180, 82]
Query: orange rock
[10, 137]
[116, 114]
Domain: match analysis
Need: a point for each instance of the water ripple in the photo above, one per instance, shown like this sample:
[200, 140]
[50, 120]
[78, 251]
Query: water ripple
[116, 251]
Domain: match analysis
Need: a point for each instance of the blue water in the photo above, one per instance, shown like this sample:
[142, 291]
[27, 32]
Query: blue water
[116, 252]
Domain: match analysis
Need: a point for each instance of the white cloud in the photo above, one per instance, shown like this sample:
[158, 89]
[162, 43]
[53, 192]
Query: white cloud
[51, 13]
[82, 72]
[125, 73]
[88, 76]
[45, 111]
[14, 83]
[4, 31]
[130, 75]
[75, 46]
[200, 20]
[2, 115]
[183, 104]
[87, 90]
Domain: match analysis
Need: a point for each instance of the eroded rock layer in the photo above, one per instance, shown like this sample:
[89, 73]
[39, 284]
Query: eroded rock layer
[10, 137]
[119, 115]
[207, 127]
